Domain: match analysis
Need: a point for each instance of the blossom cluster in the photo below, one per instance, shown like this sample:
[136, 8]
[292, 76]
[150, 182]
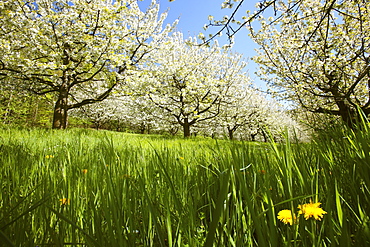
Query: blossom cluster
[308, 210]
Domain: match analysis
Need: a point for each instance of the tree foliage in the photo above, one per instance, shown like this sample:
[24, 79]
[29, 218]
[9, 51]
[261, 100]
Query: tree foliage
[318, 55]
[313, 52]
[190, 82]
[22, 108]
[72, 48]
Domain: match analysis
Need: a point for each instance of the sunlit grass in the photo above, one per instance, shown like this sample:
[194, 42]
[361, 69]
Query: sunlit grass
[98, 188]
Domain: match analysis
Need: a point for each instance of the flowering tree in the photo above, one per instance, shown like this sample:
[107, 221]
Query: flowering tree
[99, 114]
[119, 111]
[318, 56]
[249, 115]
[189, 81]
[238, 19]
[231, 24]
[140, 113]
[244, 108]
[75, 48]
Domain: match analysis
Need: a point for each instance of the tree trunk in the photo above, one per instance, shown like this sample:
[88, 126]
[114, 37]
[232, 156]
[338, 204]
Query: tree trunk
[253, 136]
[186, 127]
[60, 118]
[231, 133]
[35, 113]
[142, 128]
[97, 125]
[349, 116]
[7, 109]
[265, 138]
[173, 130]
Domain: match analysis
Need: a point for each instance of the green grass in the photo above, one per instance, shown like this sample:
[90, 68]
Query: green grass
[156, 191]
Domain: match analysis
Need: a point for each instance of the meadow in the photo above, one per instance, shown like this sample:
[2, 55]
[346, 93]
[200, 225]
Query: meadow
[98, 188]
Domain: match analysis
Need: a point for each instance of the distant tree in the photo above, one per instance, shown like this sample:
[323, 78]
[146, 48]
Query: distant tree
[244, 107]
[72, 48]
[139, 113]
[98, 114]
[23, 108]
[249, 115]
[189, 81]
[119, 111]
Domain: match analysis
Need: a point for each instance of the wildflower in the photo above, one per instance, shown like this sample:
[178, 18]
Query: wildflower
[64, 201]
[181, 158]
[312, 210]
[263, 172]
[49, 156]
[84, 171]
[286, 216]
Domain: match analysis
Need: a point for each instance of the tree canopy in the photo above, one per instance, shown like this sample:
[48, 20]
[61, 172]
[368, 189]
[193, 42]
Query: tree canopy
[71, 48]
[314, 53]
[318, 55]
[190, 82]
[114, 63]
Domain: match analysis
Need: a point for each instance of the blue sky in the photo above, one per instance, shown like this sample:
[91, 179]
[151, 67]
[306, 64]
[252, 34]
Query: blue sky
[193, 14]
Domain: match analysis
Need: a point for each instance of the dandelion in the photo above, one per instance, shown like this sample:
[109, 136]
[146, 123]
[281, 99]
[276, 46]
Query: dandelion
[84, 171]
[64, 201]
[311, 210]
[286, 216]
[181, 158]
[49, 156]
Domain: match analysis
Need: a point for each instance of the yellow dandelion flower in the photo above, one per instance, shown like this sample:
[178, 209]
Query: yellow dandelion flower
[49, 156]
[64, 201]
[286, 216]
[181, 158]
[84, 171]
[311, 210]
